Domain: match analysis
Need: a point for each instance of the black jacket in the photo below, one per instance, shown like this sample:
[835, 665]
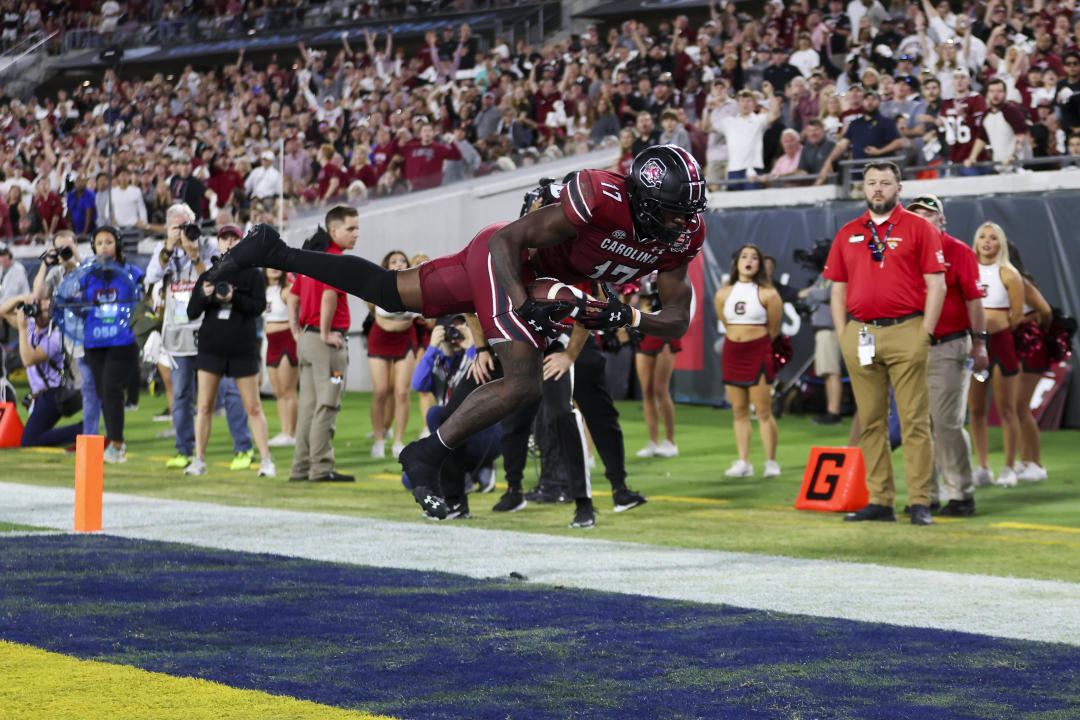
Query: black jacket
[228, 329]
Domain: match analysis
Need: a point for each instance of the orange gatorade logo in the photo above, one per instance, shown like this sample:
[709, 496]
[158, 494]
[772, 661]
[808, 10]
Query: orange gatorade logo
[834, 480]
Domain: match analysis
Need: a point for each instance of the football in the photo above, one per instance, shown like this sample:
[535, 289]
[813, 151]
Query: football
[547, 289]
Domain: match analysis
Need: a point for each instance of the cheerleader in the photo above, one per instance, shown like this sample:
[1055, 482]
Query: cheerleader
[1003, 299]
[1031, 347]
[281, 360]
[392, 358]
[654, 362]
[751, 310]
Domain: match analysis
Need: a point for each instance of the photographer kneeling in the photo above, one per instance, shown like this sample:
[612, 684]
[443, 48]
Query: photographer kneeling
[41, 348]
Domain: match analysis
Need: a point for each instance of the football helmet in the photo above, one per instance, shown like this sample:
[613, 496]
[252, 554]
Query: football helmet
[666, 180]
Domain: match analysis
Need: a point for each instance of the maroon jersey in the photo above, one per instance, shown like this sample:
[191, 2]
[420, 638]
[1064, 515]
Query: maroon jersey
[963, 123]
[606, 247]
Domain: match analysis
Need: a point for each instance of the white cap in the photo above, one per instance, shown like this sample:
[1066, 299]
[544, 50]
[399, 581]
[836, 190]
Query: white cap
[267, 155]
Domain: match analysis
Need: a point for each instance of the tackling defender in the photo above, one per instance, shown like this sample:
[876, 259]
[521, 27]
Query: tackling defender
[606, 227]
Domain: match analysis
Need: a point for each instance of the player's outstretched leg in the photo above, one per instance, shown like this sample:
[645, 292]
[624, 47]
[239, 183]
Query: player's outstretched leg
[263, 247]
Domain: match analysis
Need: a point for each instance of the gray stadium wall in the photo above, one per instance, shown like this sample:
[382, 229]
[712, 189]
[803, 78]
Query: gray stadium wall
[1042, 225]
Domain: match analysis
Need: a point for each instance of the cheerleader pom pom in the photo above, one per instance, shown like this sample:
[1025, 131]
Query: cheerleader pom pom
[1059, 337]
[1029, 340]
[782, 351]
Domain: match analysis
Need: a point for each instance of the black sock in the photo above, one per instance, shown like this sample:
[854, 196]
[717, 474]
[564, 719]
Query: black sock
[583, 502]
[350, 273]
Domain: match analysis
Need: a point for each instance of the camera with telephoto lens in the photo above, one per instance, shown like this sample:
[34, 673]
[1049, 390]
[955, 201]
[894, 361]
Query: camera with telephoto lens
[222, 288]
[29, 309]
[191, 231]
[52, 257]
[453, 333]
[814, 259]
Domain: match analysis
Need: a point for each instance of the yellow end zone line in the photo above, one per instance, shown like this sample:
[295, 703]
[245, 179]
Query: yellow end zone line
[1029, 526]
[41, 684]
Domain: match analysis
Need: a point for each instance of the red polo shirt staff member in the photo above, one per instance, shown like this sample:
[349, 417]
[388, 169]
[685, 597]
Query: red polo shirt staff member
[323, 358]
[888, 279]
[950, 349]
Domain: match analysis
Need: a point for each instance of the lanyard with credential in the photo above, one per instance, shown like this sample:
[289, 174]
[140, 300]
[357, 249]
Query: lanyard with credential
[877, 247]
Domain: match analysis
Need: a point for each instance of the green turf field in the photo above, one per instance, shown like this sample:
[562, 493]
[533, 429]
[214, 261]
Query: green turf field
[1032, 530]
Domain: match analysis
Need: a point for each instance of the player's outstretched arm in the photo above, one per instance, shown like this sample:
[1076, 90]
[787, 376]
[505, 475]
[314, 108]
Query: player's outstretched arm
[542, 228]
[676, 294]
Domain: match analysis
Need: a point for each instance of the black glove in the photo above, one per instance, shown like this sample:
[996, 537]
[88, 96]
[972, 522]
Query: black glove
[610, 314]
[537, 315]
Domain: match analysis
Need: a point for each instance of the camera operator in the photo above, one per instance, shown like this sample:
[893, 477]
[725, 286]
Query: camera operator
[110, 345]
[42, 351]
[179, 268]
[826, 348]
[12, 282]
[56, 263]
[815, 302]
[444, 371]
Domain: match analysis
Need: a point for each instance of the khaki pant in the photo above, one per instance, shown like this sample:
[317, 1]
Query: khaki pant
[322, 381]
[948, 381]
[900, 359]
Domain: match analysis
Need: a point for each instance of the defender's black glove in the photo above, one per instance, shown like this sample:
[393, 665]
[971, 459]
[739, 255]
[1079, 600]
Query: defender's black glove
[537, 315]
[610, 314]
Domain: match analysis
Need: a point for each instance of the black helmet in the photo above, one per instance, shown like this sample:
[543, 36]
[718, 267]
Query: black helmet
[665, 178]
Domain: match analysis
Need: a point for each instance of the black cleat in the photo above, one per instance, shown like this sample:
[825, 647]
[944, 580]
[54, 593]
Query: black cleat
[878, 513]
[511, 501]
[334, 477]
[627, 499]
[585, 517]
[423, 474]
[261, 247]
[460, 511]
[547, 495]
[958, 508]
[434, 506]
[920, 515]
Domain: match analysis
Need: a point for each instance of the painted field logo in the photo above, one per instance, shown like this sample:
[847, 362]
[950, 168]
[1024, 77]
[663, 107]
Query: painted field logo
[834, 480]
[652, 173]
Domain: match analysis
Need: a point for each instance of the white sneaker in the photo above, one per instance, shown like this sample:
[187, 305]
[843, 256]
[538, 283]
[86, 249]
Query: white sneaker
[1031, 472]
[115, 455]
[387, 433]
[1007, 478]
[378, 449]
[740, 468]
[197, 467]
[266, 468]
[667, 449]
[591, 461]
[424, 433]
[982, 476]
[282, 440]
[772, 469]
[647, 451]
[396, 449]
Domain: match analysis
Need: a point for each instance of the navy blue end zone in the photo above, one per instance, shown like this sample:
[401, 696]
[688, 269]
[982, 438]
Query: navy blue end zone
[433, 645]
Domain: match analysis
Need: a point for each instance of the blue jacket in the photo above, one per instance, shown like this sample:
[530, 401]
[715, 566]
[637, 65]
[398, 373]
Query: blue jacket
[112, 297]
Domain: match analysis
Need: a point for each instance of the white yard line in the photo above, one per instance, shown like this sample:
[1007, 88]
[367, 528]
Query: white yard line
[1040, 610]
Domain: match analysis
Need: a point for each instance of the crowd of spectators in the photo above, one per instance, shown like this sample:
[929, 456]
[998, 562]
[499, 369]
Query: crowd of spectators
[760, 101]
[97, 23]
